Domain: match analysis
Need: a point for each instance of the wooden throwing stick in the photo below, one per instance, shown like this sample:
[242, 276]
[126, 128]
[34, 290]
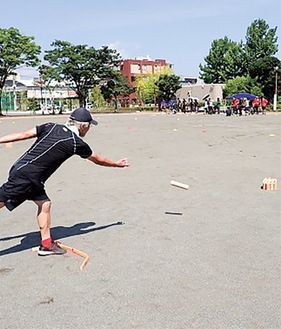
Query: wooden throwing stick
[74, 251]
[77, 252]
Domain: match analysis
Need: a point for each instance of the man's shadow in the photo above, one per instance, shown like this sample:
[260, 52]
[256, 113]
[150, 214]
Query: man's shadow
[32, 239]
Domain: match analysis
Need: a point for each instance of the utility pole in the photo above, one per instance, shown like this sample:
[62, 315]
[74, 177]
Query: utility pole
[14, 90]
[276, 89]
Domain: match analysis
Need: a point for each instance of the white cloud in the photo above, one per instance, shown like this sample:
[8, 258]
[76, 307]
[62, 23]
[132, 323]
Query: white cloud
[126, 51]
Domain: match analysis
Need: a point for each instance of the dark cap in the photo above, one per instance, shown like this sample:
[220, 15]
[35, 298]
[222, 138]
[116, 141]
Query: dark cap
[83, 115]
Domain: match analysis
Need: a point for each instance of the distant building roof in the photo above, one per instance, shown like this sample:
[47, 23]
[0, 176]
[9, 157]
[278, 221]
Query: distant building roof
[10, 83]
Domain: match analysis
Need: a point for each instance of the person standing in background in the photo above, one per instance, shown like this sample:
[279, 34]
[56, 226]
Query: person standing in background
[256, 104]
[264, 103]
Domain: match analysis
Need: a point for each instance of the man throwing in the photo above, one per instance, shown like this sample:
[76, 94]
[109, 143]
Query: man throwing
[55, 143]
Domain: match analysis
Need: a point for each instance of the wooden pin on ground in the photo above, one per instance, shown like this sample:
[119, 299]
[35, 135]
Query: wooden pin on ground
[9, 144]
[269, 184]
[180, 185]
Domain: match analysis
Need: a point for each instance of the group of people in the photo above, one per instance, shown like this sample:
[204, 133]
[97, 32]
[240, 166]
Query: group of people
[164, 106]
[246, 106]
[192, 105]
[189, 105]
[239, 106]
[212, 108]
[181, 105]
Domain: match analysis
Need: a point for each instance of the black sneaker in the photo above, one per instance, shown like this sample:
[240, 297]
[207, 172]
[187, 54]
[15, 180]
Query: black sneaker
[53, 249]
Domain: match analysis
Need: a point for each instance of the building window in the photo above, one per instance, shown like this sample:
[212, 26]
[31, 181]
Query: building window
[135, 68]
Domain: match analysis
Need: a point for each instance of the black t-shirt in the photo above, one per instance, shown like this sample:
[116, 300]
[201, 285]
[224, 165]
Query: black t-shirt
[55, 144]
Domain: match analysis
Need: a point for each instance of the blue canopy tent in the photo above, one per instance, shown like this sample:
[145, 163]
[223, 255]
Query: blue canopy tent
[242, 95]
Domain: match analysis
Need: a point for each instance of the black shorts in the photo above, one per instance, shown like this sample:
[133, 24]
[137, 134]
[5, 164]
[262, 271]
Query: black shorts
[19, 189]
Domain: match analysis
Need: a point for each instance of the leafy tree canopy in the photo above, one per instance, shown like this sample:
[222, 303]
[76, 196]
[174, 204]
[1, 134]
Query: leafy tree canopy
[146, 88]
[81, 66]
[224, 61]
[97, 98]
[242, 84]
[227, 59]
[261, 41]
[168, 85]
[118, 85]
[15, 50]
[146, 84]
[264, 71]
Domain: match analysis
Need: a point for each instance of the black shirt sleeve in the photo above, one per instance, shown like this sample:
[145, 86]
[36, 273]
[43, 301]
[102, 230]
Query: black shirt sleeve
[83, 149]
[43, 129]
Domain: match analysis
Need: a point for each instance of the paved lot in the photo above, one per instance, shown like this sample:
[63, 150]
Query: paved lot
[207, 257]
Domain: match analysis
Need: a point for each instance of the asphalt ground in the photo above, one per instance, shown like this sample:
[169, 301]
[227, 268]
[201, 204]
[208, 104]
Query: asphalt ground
[161, 257]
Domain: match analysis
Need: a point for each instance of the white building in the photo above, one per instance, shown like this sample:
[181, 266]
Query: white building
[194, 87]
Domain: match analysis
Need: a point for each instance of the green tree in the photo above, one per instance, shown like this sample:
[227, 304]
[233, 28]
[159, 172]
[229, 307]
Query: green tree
[97, 98]
[82, 67]
[146, 85]
[15, 50]
[167, 86]
[242, 84]
[227, 59]
[264, 70]
[261, 42]
[146, 88]
[260, 47]
[32, 104]
[224, 61]
[116, 87]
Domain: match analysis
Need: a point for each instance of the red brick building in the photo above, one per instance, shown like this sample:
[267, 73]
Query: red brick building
[131, 68]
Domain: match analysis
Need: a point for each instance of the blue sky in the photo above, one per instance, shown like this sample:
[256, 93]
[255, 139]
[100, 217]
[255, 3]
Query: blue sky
[180, 31]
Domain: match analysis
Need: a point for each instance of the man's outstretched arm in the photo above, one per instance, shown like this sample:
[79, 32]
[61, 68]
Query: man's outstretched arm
[19, 136]
[105, 162]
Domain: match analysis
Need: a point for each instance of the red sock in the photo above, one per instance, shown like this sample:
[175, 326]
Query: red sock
[47, 242]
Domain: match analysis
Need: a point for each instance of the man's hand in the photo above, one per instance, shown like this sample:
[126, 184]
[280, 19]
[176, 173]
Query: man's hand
[123, 163]
[97, 159]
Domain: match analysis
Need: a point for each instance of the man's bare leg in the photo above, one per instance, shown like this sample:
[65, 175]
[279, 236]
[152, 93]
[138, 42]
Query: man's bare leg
[48, 247]
[2, 204]
[44, 218]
